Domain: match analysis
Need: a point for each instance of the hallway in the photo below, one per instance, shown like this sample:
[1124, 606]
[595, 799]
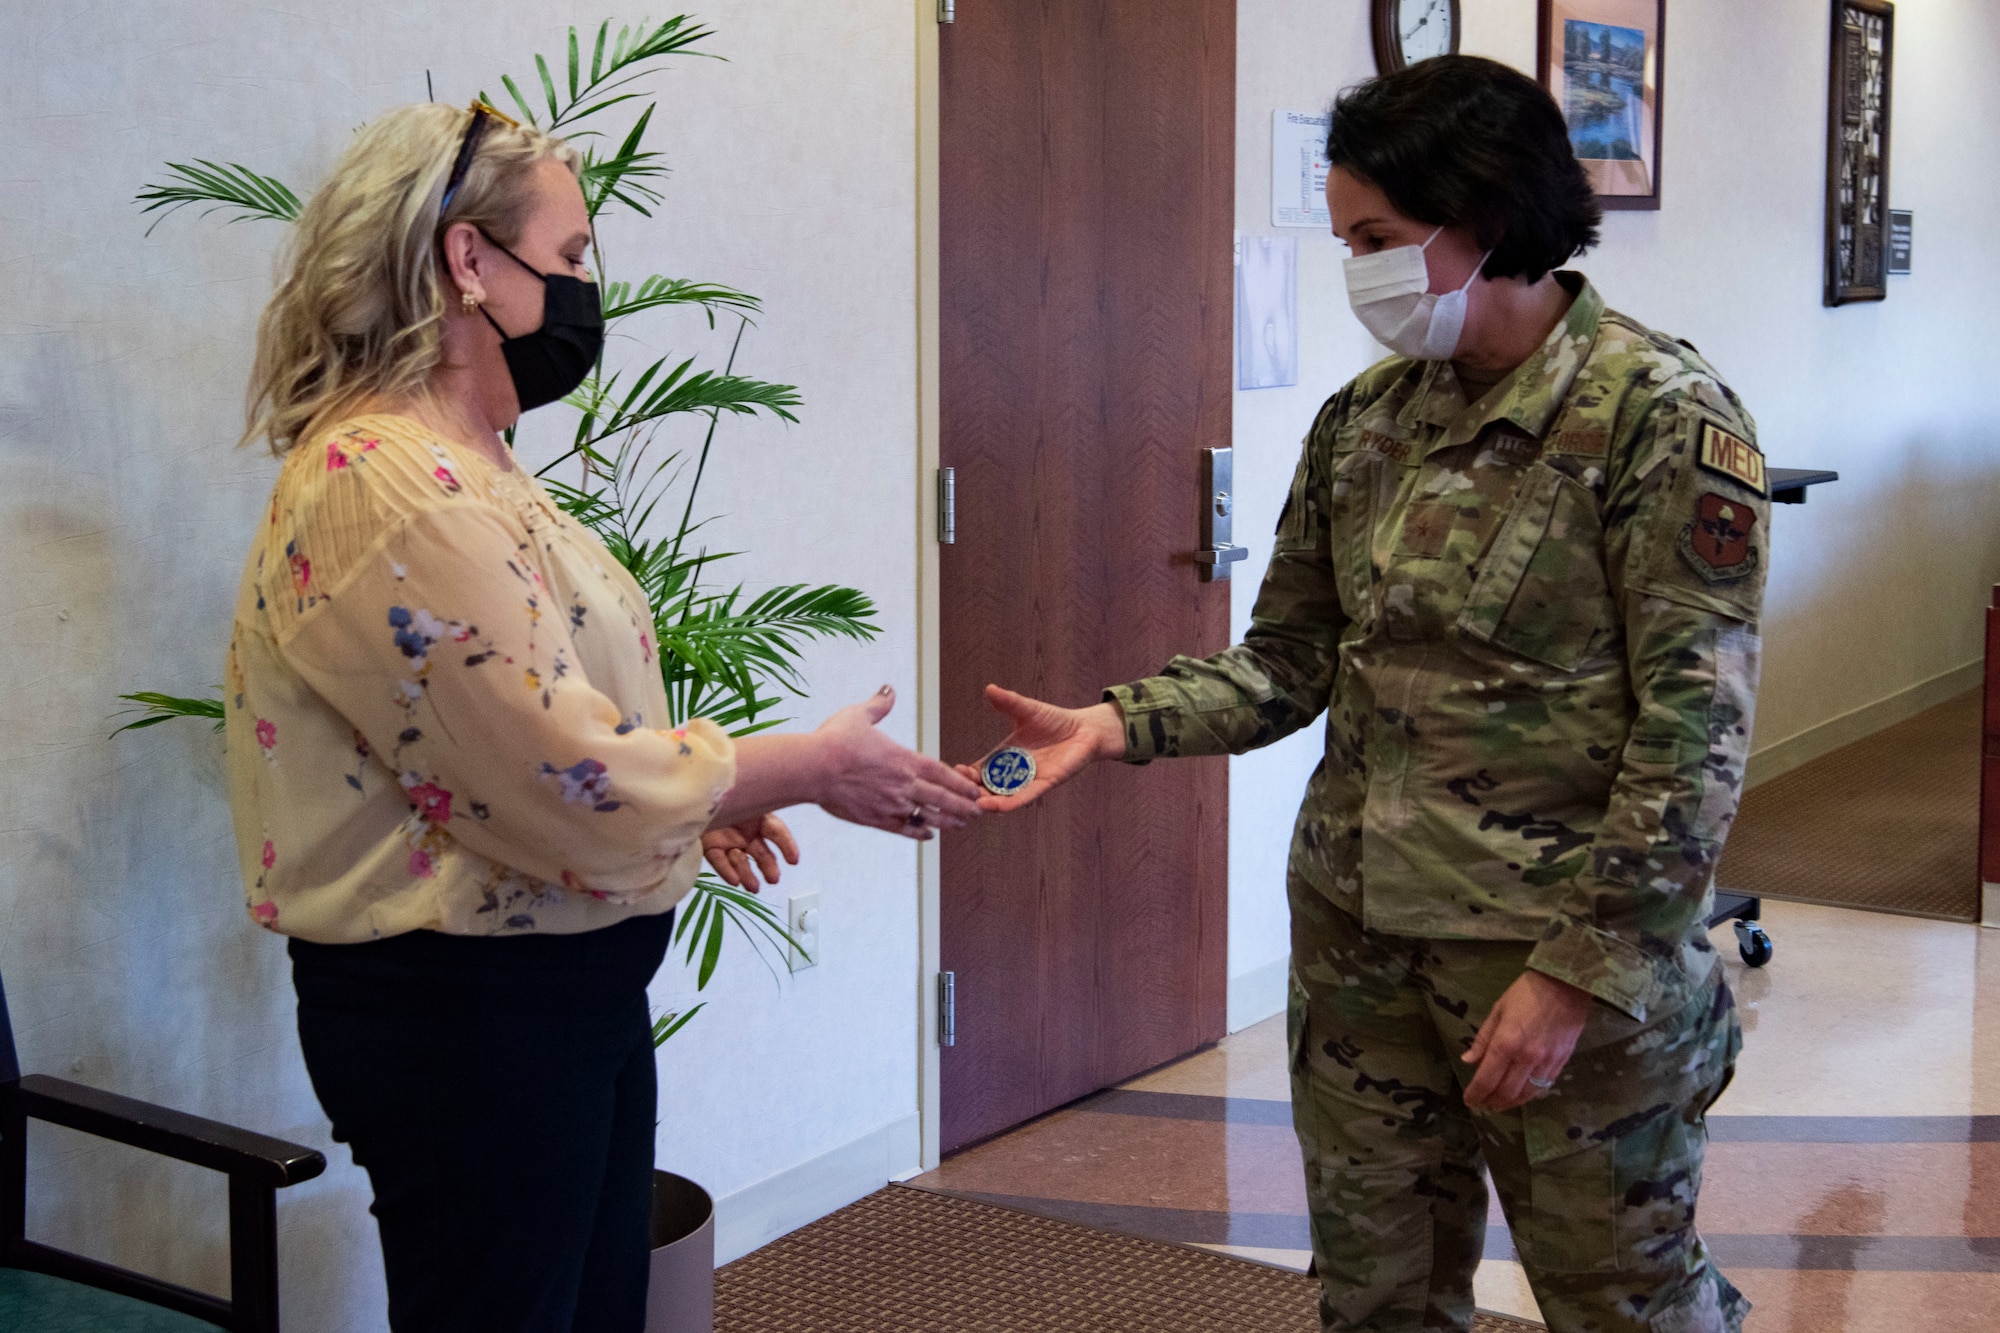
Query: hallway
[1853, 1181]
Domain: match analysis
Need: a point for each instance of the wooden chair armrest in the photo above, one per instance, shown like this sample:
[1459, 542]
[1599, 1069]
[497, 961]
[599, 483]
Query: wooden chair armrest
[258, 1158]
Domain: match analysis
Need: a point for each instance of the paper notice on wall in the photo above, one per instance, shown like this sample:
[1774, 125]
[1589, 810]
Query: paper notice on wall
[1298, 169]
[1267, 312]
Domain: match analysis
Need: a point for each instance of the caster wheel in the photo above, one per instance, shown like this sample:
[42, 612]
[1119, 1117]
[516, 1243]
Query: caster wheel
[1753, 943]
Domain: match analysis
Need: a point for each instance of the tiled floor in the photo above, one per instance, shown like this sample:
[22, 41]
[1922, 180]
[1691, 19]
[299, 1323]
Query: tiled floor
[1853, 1185]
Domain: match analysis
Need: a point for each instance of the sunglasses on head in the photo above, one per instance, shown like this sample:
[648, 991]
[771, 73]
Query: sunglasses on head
[483, 115]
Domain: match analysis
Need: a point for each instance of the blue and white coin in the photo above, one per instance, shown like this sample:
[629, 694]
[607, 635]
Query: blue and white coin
[1007, 772]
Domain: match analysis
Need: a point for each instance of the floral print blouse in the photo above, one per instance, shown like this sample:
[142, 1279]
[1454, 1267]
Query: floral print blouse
[444, 706]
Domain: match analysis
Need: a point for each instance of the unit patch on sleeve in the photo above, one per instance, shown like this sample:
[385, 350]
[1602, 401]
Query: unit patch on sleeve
[1727, 456]
[1717, 544]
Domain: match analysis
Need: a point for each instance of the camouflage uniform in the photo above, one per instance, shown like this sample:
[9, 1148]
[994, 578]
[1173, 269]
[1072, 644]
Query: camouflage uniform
[1531, 622]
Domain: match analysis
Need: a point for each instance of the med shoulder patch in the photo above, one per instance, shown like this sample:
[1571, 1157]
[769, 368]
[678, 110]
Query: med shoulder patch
[1729, 456]
[1717, 544]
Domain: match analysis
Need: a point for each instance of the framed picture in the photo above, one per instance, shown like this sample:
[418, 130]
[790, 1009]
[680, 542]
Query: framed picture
[1602, 62]
[1857, 151]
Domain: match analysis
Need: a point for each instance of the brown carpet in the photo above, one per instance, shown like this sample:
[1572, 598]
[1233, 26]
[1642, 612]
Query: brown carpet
[910, 1261]
[1890, 822]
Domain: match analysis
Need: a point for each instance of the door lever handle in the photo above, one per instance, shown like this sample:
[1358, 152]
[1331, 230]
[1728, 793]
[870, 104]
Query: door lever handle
[1218, 516]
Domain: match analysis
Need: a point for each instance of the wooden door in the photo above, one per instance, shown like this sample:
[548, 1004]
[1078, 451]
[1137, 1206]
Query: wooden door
[1086, 223]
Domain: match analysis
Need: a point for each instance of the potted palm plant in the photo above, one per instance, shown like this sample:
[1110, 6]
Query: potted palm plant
[724, 655]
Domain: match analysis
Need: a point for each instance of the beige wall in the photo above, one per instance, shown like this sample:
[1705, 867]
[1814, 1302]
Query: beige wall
[1877, 583]
[124, 513]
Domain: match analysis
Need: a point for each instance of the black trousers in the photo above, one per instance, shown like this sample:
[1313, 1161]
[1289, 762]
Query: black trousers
[501, 1095]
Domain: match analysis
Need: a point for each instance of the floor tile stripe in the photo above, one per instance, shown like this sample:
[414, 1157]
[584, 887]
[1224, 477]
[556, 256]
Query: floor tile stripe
[1291, 1231]
[1190, 1106]
[1722, 1128]
[1187, 1226]
[1854, 1128]
[1859, 1254]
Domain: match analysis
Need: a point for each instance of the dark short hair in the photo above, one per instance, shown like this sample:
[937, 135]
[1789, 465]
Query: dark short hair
[1461, 141]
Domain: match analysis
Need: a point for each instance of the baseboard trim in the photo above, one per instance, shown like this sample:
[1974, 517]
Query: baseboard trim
[1783, 756]
[758, 1214]
[1956, 918]
[1989, 905]
[1258, 994]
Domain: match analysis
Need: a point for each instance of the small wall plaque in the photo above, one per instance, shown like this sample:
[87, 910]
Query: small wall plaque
[1900, 228]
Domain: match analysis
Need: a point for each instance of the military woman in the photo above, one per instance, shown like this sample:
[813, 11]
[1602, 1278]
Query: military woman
[1520, 570]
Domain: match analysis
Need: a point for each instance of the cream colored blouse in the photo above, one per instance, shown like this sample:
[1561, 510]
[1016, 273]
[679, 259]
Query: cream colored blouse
[445, 709]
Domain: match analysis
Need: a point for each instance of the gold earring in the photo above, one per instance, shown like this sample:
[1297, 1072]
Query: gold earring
[469, 301]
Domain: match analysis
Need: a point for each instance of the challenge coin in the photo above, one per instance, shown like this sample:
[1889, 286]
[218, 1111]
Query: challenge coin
[1006, 772]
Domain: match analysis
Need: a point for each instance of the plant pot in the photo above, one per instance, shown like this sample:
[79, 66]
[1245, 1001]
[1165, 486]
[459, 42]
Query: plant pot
[680, 1292]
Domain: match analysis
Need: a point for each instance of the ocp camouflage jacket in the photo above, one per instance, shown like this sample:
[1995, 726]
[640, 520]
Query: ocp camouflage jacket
[1532, 622]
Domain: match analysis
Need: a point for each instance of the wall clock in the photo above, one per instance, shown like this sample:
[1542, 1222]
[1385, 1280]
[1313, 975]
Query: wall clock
[1407, 31]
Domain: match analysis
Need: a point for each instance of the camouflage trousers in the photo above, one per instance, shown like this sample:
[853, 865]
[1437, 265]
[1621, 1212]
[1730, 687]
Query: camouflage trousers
[1598, 1179]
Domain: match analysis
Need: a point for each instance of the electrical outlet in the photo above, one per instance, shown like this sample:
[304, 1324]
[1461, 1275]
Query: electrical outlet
[802, 920]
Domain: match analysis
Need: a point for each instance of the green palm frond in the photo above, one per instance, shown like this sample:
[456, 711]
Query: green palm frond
[766, 636]
[659, 393]
[705, 391]
[623, 175]
[595, 509]
[155, 708]
[220, 185]
[667, 1024]
[708, 913]
[593, 91]
[720, 661]
[622, 298]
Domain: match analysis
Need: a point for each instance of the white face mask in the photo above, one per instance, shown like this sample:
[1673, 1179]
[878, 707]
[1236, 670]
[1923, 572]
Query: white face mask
[1391, 295]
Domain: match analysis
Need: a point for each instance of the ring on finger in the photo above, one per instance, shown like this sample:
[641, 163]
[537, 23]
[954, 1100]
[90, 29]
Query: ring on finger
[916, 818]
[1542, 1083]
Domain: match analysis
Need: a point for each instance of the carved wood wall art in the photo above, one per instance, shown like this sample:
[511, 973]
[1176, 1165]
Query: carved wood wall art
[1857, 151]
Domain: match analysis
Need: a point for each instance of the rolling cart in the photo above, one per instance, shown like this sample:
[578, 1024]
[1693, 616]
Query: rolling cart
[1742, 910]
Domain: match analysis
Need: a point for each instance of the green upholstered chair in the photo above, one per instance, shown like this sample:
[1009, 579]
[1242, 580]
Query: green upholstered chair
[53, 1291]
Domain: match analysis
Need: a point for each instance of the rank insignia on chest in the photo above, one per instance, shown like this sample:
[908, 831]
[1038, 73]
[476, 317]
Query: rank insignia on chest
[1513, 448]
[1717, 544]
[1727, 456]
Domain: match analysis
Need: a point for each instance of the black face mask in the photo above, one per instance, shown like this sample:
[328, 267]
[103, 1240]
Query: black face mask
[547, 364]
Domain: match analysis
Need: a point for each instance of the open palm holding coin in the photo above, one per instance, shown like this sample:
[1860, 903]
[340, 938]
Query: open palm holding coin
[1055, 744]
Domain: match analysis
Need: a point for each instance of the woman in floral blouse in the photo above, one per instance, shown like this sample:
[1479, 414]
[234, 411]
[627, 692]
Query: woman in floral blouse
[455, 783]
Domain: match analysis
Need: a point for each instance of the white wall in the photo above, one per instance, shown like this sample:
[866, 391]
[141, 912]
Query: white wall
[124, 514]
[1877, 583]
[1291, 55]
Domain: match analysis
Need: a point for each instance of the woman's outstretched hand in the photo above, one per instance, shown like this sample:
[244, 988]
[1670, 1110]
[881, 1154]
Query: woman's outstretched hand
[870, 779]
[849, 769]
[1063, 741]
[738, 853]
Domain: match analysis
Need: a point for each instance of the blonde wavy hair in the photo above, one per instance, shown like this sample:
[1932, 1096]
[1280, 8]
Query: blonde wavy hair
[361, 299]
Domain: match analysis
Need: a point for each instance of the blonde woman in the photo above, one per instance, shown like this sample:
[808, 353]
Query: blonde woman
[453, 778]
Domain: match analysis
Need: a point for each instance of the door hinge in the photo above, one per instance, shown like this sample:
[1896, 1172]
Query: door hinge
[947, 1009]
[947, 11]
[947, 506]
